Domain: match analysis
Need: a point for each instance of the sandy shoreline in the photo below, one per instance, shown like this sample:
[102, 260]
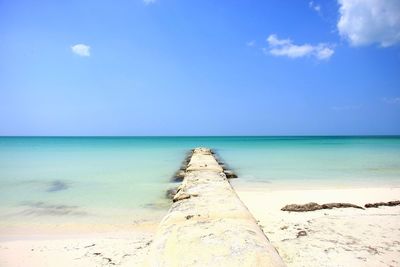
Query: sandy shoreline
[102, 245]
[338, 237]
[129, 250]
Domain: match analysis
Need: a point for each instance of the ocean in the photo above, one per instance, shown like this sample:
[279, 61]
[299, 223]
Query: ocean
[123, 179]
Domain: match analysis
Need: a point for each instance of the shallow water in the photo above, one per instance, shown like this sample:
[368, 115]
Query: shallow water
[96, 179]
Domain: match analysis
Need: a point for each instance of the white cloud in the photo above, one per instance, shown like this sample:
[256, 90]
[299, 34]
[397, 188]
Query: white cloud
[323, 52]
[365, 22]
[251, 43]
[285, 47]
[81, 50]
[392, 100]
[274, 41]
[148, 2]
[314, 6]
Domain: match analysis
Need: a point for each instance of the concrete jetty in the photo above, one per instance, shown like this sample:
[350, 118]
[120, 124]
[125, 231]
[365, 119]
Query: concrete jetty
[208, 225]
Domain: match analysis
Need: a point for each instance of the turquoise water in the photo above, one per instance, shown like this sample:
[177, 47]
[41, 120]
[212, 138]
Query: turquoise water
[71, 179]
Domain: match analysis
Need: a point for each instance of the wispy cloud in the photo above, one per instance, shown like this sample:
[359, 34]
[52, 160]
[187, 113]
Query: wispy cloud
[391, 100]
[251, 43]
[285, 47]
[346, 107]
[314, 6]
[370, 21]
[81, 50]
[148, 2]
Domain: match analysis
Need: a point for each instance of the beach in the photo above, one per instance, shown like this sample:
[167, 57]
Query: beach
[99, 201]
[333, 237]
[336, 237]
[160, 133]
[127, 247]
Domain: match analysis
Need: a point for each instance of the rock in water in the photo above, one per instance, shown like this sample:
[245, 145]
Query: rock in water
[179, 176]
[171, 193]
[230, 174]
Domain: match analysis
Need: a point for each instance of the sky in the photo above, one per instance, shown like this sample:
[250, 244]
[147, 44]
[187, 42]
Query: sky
[200, 67]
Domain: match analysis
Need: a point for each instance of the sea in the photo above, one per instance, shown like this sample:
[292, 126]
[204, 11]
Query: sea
[45, 180]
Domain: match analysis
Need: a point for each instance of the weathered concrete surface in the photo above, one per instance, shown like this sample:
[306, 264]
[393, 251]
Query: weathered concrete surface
[208, 225]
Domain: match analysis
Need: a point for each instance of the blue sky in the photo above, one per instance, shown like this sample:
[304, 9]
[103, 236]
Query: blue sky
[174, 67]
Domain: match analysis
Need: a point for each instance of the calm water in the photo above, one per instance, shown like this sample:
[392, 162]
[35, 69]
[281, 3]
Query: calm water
[111, 179]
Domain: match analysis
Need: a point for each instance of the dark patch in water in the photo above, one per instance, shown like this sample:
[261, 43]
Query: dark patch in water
[264, 182]
[44, 209]
[57, 185]
[158, 205]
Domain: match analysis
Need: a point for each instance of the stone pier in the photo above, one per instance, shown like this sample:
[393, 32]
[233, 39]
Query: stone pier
[208, 225]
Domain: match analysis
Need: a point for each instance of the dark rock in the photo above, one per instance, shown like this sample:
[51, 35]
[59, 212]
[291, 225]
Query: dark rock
[315, 206]
[394, 203]
[378, 204]
[301, 233]
[183, 166]
[340, 205]
[300, 208]
[171, 193]
[180, 196]
[230, 174]
[179, 176]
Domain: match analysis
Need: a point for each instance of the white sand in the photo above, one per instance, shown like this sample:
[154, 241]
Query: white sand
[104, 245]
[337, 237]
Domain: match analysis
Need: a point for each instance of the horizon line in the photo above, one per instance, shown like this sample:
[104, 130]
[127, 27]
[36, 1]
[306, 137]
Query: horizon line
[171, 136]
